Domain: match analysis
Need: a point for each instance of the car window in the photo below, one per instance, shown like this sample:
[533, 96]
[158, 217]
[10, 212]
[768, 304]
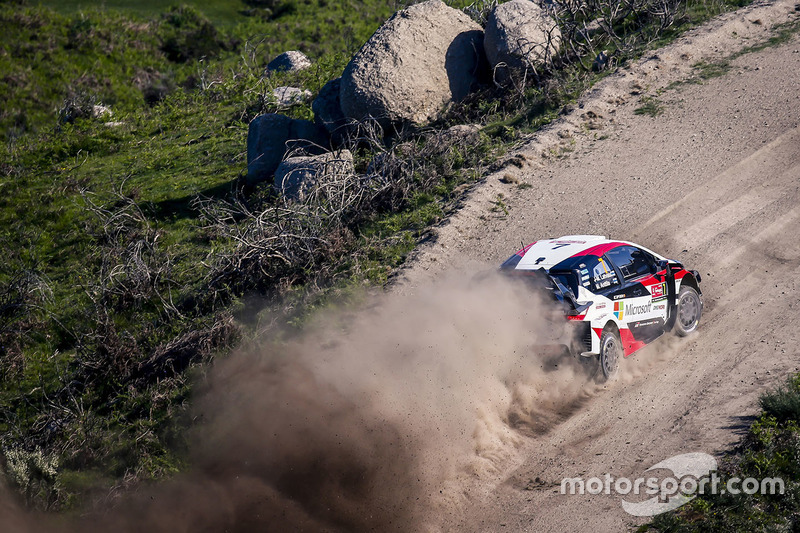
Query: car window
[631, 261]
[592, 273]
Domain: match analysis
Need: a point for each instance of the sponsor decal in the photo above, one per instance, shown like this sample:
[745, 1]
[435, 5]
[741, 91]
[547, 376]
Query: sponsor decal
[659, 307]
[645, 323]
[658, 291]
[600, 306]
[604, 279]
[618, 296]
[642, 309]
[619, 310]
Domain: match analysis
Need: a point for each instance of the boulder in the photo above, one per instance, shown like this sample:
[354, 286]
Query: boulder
[289, 96]
[328, 111]
[519, 35]
[295, 176]
[461, 133]
[422, 58]
[271, 136]
[290, 61]
[101, 111]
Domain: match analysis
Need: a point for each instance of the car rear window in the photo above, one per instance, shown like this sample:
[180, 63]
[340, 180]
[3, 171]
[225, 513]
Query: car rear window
[592, 273]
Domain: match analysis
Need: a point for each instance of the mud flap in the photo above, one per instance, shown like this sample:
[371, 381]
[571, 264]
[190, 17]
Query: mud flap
[672, 297]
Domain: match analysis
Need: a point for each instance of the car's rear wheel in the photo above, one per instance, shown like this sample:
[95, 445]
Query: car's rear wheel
[610, 354]
[690, 307]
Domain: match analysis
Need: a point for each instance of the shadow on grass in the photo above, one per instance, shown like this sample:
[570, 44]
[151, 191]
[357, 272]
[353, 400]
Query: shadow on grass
[181, 208]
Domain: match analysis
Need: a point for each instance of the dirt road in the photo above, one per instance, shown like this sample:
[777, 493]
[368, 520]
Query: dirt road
[714, 180]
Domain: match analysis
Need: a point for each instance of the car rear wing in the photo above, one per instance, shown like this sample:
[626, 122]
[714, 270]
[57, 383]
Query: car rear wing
[542, 280]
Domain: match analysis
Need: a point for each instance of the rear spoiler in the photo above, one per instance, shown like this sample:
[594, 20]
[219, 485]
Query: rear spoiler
[565, 295]
[551, 284]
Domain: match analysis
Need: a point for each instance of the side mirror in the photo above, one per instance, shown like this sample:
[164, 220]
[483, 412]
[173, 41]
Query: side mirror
[661, 265]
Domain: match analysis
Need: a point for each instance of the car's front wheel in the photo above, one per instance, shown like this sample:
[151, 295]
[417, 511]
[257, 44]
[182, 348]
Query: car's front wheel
[610, 354]
[690, 307]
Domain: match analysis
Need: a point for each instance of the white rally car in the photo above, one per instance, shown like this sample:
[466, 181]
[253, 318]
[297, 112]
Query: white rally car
[619, 296]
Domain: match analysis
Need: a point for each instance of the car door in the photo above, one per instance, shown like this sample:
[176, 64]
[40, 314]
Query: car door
[640, 301]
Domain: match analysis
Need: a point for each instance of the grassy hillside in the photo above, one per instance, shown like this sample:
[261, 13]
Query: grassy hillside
[124, 59]
[222, 12]
[128, 238]
[106, 302]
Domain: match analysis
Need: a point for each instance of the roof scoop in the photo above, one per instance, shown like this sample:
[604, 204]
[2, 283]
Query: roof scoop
[583, 238]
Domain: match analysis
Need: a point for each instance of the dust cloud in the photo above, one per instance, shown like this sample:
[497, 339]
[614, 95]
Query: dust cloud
[642, 362]
[376, 419]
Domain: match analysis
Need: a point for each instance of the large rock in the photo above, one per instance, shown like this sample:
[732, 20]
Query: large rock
[328, 110]
[101, 111]
[290, 96]
[295, 176]
[422, 58]
[290, 61]
[271, 136]
[461, 134]
[519, 35]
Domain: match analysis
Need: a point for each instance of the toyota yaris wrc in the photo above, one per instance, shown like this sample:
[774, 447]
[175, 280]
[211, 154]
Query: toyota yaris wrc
[618, 296]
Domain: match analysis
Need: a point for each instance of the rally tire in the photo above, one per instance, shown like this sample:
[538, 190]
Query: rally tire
[610, 354]
[689, 309]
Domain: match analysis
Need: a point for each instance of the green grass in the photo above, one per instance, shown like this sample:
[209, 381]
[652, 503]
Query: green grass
[783, 403]
[707, 71]
[222, 12]
[122, 59]
[650, 106]
[704, 71]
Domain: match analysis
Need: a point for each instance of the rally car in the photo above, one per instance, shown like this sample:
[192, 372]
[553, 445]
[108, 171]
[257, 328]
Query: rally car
[618, 296]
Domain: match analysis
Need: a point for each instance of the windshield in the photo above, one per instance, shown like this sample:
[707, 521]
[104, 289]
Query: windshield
[632, 261]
